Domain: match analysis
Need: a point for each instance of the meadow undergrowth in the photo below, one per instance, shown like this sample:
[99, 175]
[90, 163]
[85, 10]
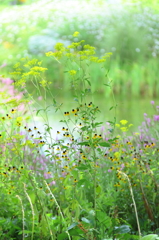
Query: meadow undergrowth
[75, 185]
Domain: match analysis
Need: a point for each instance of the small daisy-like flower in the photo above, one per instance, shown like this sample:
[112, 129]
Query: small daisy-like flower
[13, 110]
[58, 132]
[8, 116]
[96, 165]
[90, 104]
[63, 129]
[18, 124]
[95, 136]
[29, 130]
[35, 128]
[74, 111]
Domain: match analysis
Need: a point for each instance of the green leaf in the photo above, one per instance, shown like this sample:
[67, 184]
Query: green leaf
[38, 111]
[72, 226]
[85, 220]
[83, 167]
[83, 143]
[96, 124]
[111, 108]
[104, 144]
[84, 128]
[149, 237]
[122, 229]
[62, 236]
[32, 197]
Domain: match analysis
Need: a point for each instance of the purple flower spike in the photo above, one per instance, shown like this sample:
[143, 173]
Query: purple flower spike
[156, 118]
[152, 102]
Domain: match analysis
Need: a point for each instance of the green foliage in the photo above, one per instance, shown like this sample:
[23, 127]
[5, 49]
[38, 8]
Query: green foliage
[131, 34]
[75, 182]
[150, 237]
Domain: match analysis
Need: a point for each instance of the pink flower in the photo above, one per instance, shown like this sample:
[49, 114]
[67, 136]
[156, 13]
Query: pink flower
[3, 65]
[152, 102]
[52, 183]
[40, 98]
[156, 118]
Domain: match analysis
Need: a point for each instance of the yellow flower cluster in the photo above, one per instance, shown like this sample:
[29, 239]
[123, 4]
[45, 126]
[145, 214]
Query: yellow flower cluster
[122, 127]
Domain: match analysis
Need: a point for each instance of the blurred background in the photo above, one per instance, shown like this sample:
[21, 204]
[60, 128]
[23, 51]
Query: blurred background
[127, 28]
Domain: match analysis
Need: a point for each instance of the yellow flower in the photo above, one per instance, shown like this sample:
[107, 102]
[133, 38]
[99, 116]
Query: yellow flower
[72, 72]
[123, 122]
[124, 129]
[117, 125]
[136, 133]
[76, 34]
[59, 47]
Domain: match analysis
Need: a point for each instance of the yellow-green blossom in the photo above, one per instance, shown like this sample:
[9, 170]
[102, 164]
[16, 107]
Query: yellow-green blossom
[76, 34]
[59, 47]
[72, 72]
[124, 129]
[101, 60]
[40, 69]
[94, 59]
[123, 122]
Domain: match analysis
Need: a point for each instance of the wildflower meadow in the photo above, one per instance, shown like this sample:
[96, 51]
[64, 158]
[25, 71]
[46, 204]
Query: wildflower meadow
[87, 180]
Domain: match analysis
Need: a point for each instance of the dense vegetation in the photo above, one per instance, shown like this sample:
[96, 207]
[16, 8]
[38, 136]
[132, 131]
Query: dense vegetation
[83, 181]
[129, 30]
